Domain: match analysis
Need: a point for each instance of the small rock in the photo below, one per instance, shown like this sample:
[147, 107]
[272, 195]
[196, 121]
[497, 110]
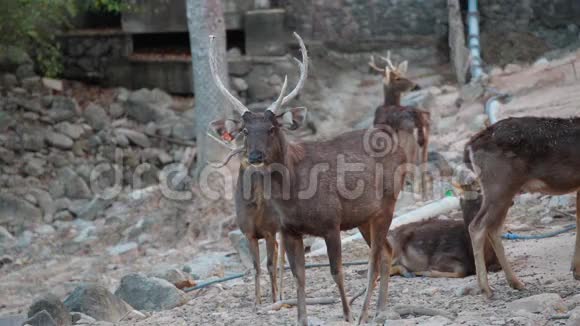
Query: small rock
[540, 303]
[234, 53]
[74, 131]
[116, 110]
[59, 140]
[541, 62]
[9, 81]
[45, 229]
[96, 116]
[175, 277]
[32, 84]
[135, 137]
[239, 84]
[547, 220]
[574, 319]
[34, 167]
[78, 318]
[63, 109]
[33, 141]
[97, 302]
[149, 293]
[25, 71]
[17, 213]
[148, 105]
[512, 68]
[42, 318]
[6, 238]
[52, 305]
[93, 208]
[495, 71]
[123, 248]
[74, 186]
[25, 239]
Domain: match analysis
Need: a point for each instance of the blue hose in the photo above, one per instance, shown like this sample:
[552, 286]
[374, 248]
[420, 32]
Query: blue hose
[513, 236]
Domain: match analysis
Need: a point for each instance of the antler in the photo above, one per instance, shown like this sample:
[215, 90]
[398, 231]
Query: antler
[241, 108]
[388, 60]
[373, 65]
[303, 74]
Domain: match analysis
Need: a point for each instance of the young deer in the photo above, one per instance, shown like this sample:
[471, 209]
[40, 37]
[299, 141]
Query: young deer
[520, 155]
[320, 188]
[411, 124]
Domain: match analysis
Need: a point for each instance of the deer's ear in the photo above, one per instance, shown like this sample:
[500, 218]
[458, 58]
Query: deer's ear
[403, 67]
[293, 118]
[225, 131]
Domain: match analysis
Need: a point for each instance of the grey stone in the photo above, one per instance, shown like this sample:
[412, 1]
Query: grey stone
[74, 185]
[54, 307]
[97, 302]
[7, 156]
[25, 239]
[93, 208]
[74, 131]
[17, 213]
[122, 248]
[33, 141]
[262, 41]
[6, 238]
[149, 293]
[41, 318]
[24, 71]
[34, 167]
[148, 105]
[540, 303]
[173, 276]
[78, 318]
[96, 116]
[184, 129]
[59, 140]
[45, 229]
[63, 109]
[9, 81]
[239, 85]
[116, 110]
[239, 67]
[32, 84]
[135, 137]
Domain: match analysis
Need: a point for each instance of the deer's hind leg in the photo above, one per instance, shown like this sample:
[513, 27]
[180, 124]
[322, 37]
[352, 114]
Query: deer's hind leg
[333, 245]
[576, 262]
[295, 249]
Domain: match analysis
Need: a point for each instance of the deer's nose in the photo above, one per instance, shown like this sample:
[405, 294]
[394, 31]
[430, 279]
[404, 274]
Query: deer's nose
[256, 157]
[416, 88]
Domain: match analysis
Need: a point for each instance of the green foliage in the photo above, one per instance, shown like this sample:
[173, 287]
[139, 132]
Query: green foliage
[34, 24]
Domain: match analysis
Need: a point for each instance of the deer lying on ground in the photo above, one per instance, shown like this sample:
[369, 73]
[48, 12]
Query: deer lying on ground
[319, 188]
[520, 155]
[438, 248]
[411, 124]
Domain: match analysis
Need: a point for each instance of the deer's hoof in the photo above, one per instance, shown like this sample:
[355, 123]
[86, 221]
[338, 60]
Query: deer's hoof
[517, 284]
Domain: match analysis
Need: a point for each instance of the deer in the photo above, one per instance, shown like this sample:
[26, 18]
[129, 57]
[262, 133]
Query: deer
[411, 124]
[515, 155]
[439, 248]
[309, 189]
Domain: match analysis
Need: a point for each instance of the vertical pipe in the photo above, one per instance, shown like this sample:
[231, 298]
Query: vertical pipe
[473, 43]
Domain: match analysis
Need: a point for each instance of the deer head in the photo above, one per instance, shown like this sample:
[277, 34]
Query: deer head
[394, 81]
[258, 135]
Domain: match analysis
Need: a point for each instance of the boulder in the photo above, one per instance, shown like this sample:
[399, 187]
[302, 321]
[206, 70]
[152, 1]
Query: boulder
[97, 302]
[148, 105]
[149, 293]
[54, 307]
[96, 116]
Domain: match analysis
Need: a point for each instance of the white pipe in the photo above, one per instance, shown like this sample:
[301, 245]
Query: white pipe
[473, 37]
[433, 209]
[492, 109]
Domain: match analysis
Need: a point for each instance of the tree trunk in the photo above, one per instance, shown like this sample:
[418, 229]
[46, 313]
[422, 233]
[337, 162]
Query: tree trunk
[458, 51]
[205, 18]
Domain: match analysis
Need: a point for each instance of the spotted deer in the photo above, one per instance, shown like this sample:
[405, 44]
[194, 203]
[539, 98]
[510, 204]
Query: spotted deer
[411, 124]
[517, 155]
[317, 188]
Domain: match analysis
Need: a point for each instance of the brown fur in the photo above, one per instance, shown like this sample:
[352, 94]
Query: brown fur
[328, 210]
[520, 155]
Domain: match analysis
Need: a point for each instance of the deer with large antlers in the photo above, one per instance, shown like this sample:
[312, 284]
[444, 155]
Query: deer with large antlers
[411, 124]
[317, 188]
[520, 155]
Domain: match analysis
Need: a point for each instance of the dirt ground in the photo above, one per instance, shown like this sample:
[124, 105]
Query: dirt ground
[543, 265]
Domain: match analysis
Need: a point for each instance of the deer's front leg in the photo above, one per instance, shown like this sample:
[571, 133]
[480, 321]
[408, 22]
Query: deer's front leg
[255, 251]
[295, 252]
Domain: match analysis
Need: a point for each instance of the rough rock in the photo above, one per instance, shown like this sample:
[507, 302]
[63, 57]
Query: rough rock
[96, 116]
[135, 137]
[17, 213]
[545, 302]
[59, 140]
[8, 81]
[174, 276]
[33, 141]
[116, 110]
[148, 105]
[41, 318]
[25, 71]
[91, 210]
[32, 84]
[73, 185]
[6, 238]
[63, 109]
[34, 167]
[54, 307]
[78, 318]
[74, 131]
[149, 293]
[97, 302]
[239, 84]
